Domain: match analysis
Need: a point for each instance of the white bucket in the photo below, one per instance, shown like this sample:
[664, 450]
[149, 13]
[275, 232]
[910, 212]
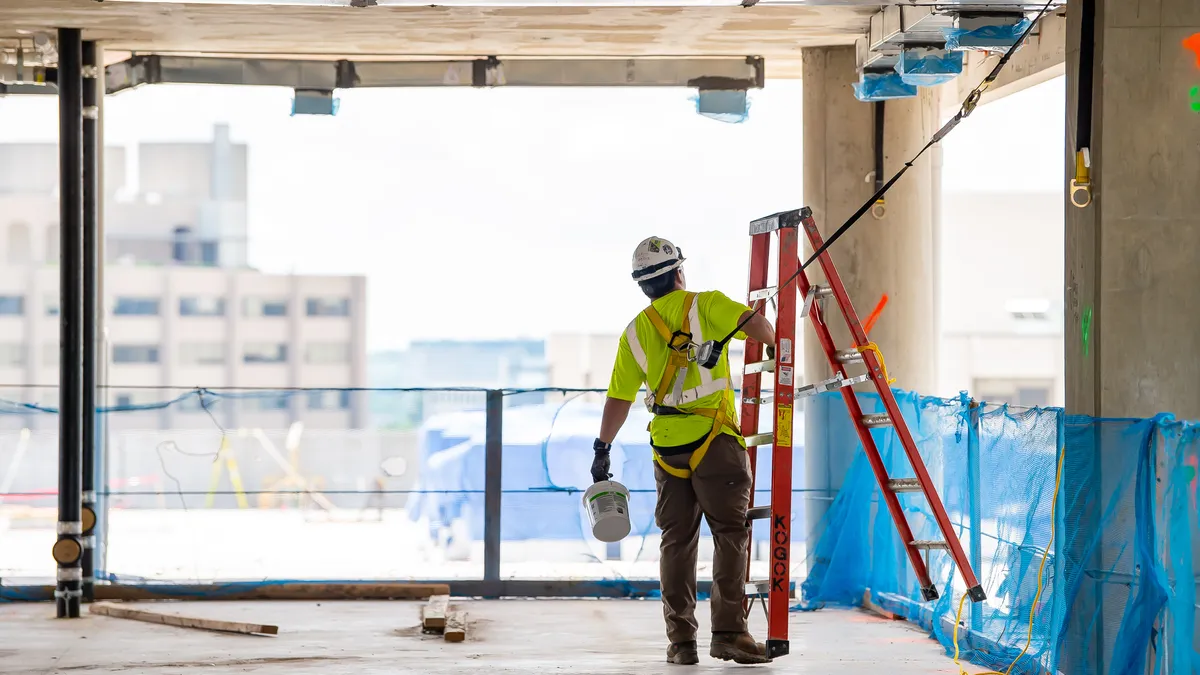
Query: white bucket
[607, 504]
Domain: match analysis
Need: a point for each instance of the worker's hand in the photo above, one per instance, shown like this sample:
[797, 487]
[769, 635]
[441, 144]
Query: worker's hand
[602, 463]
[770, 352]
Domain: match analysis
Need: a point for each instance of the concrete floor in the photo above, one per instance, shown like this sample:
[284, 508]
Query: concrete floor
[505, 636]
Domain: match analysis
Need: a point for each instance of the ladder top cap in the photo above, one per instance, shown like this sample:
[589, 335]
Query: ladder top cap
[777, 221]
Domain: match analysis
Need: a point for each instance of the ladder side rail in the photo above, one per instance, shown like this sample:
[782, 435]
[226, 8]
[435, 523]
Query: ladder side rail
[760, 250]
[779, 596]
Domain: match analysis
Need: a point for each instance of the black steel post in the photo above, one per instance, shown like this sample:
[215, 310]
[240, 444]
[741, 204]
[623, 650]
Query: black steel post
[68, 548]
[493, 450]
[91, 208]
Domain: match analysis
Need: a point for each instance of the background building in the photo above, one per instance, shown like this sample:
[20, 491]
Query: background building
[1001, 297]
[449, 365]
[182, 306]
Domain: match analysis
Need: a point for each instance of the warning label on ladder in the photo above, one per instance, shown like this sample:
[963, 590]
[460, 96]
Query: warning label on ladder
[783, 425]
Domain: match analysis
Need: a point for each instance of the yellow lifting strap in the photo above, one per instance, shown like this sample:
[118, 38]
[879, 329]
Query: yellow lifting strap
[677, 359]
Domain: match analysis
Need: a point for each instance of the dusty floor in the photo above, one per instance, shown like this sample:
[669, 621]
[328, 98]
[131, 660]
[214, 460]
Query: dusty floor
[506, 636]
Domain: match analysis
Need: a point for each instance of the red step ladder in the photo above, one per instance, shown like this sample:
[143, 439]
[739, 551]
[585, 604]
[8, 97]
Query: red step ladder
[777, 589]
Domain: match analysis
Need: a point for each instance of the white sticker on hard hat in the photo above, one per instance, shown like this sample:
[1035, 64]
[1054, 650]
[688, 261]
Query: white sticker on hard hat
[785, 350]
[785, 375]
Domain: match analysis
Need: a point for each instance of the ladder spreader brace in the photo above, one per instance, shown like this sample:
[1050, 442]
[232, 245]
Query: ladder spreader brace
[777, 588]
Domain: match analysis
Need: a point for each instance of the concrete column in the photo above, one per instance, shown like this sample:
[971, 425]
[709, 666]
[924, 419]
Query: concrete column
[892, 254]
[1132, 284]
[1131, 254]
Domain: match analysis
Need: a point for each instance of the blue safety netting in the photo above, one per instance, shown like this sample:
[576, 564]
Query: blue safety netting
[229, 486]
[1117, 579]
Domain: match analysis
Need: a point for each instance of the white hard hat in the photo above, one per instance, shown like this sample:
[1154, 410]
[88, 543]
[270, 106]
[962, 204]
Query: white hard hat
[655, 257]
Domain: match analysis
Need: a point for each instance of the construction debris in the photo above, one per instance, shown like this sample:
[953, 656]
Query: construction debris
[456, 626]
[119, 612]
[433, 614]
[438, 617]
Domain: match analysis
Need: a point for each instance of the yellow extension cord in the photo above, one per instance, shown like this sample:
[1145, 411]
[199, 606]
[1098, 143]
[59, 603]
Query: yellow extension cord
[1037, 596]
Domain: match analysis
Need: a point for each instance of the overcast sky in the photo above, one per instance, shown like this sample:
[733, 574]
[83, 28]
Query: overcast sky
[513, 212]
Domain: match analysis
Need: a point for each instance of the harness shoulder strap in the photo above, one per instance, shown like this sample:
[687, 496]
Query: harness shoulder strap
[677, 358]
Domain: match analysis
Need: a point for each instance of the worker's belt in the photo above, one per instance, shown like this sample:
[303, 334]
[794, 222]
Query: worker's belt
[678, 344]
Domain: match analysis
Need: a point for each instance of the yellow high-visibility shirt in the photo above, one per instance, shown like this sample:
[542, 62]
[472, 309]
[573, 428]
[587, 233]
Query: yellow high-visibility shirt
[642, 360]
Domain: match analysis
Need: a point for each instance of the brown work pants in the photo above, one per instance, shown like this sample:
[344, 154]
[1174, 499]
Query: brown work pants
[719, 489]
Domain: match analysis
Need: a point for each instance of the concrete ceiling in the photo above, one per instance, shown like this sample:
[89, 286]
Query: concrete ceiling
[774, 32]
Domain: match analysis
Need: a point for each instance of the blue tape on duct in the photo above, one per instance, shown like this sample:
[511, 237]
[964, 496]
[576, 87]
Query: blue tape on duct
[723, 105]
[998, 38]
[883, 87]
[929, 68]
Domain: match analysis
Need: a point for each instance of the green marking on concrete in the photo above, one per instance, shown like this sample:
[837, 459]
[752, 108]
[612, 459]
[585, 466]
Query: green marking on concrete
[1086, 328]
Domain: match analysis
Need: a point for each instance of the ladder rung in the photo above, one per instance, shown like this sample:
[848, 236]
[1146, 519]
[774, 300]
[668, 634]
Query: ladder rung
[876, 420]
[849, 356]
[758, 401]
[758, 589]
[759, 439]
[759, 512]
[814, 292]
[760, 367]
[930, 545]
[831, 384]
[763, 293]
[905, 485]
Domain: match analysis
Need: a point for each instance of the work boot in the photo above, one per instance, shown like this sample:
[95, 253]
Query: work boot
[739, 648]
[683, 653]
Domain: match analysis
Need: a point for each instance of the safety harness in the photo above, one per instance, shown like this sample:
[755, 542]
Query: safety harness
[670, 387]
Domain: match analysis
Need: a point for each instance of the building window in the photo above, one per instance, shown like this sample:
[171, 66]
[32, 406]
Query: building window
[51, 302]
[12, 305]
[265, 352]
[135, 354]
[202, 306]
[124, 401]
[202, 353]
[135, 306]
[271, 401]
[181, 249]
[326, 399]
[327, 353]
[328, 307]
[1023, 393]
[12, 354]
[264, 307]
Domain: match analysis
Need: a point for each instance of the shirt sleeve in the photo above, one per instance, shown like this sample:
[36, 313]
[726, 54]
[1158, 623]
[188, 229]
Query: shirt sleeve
[627, 375]
[724, 315]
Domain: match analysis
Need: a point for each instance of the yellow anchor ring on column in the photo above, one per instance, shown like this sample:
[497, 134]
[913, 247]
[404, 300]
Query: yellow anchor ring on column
[1081, 184]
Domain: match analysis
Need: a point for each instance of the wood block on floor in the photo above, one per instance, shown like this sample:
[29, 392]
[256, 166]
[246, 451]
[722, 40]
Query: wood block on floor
[869, 605]
[456, 625]
[119, 612]
[433, 614]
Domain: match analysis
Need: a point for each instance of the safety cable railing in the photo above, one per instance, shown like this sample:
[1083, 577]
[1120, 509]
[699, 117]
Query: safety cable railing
[482, 487]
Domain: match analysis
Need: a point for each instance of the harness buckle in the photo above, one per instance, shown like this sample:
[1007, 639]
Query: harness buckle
[680, 341]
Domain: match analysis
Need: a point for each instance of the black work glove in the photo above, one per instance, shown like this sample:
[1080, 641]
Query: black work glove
[770, 352]
[602, 463]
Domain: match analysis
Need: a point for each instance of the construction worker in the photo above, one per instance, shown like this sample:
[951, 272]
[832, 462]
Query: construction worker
[701, 465]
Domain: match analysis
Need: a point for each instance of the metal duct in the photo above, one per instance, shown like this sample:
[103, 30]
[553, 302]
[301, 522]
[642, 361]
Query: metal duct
[705, 73]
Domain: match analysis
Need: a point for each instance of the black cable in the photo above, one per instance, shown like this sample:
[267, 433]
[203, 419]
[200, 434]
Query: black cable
[964, 111]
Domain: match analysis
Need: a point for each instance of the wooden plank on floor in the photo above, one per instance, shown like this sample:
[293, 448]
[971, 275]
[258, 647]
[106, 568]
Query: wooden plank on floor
[456, 625]
[433, 614]
[119, 612]
[273, 591]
